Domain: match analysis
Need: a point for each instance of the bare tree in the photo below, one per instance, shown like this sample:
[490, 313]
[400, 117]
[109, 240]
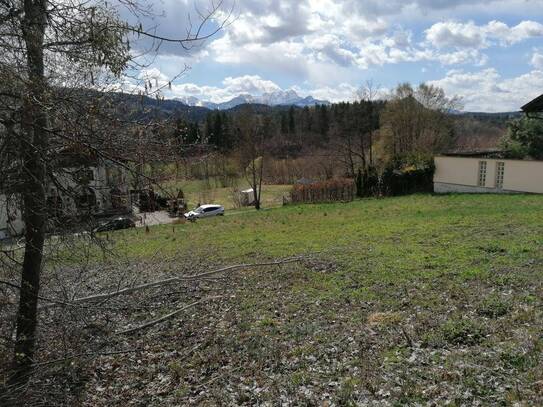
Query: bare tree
[418, 120]
[56, 60]
[369, 94]
[251, 131]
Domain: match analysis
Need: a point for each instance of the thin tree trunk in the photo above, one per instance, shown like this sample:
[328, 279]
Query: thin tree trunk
[371, 148]
[255, 187]
[260, 181]
[33, 147]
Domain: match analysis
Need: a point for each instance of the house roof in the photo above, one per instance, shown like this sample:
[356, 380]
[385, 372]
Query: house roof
[489, 152]
[534, 106]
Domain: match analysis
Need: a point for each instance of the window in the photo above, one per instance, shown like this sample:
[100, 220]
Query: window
[500, 171]
[210, 209]
[482, 174]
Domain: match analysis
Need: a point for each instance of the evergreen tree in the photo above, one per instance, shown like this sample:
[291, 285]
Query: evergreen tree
[217, 138]
[324, 125]
[291, 121]
[284, 123]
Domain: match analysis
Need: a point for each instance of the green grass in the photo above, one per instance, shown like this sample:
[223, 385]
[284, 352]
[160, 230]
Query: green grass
[396, 238]
[402, 301]
[198, 191]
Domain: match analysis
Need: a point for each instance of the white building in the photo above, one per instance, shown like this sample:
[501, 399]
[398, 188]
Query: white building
[474, 174]
[95, 189]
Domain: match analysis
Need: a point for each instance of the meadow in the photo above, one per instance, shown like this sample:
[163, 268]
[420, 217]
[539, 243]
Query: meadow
[411, 300]
[200, 191]
[402, 300]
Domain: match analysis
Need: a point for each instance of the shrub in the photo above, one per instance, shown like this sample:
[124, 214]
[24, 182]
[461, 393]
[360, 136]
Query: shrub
[408, 176]
[462, 332]
[455, 331]
[493, 306]
[367, 182]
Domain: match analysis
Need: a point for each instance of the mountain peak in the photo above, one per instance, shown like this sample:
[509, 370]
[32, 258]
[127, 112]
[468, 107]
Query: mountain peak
[275, 98]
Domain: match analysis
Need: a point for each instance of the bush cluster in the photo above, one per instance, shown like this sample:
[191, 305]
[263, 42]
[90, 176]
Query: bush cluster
[402, 176]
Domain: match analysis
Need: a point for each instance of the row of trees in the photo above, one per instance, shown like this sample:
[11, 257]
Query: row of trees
[357, 136]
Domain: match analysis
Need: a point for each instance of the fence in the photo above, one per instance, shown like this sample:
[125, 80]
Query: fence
[334, 190]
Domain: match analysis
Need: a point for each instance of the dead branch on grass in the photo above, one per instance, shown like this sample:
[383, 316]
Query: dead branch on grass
[172, 280]
[165, 317]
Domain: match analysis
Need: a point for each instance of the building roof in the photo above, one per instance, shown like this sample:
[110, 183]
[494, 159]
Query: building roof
[488, 153]
[534, 106]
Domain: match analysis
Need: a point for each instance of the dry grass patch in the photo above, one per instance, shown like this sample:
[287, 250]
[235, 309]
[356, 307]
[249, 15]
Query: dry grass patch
[384, 318]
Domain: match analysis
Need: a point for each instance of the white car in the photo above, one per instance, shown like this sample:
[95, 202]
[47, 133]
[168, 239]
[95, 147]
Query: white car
[205, 211]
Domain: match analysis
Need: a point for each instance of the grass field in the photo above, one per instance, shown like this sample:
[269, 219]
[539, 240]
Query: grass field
[400, 301]
[198, 191]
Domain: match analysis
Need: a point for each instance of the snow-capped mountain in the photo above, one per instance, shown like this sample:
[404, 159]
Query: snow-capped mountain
[276, 98]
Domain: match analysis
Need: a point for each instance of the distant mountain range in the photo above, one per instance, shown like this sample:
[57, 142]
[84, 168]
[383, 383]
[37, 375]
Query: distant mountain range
[277, 98]
[146, 109]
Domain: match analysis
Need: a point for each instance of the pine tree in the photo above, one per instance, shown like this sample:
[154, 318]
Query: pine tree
[291, 121]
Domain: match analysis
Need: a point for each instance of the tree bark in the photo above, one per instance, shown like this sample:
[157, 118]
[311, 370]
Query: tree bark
[33, 148]
[255, 186]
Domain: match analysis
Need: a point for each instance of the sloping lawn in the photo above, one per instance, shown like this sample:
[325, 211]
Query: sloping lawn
[199, 192]
[400, 301]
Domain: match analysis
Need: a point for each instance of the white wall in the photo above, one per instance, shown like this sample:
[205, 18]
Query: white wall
[11, 222]
[519, 176]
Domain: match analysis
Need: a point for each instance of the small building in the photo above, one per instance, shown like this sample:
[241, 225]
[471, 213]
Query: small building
[247, 197]
[485, 173]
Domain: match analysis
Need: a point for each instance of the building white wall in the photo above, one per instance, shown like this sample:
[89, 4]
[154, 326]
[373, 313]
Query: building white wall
[11, 221]
[460, 174]
[105, 177]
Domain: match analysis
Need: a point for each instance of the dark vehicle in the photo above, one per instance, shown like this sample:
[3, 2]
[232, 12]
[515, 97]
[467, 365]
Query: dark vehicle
[116, 224]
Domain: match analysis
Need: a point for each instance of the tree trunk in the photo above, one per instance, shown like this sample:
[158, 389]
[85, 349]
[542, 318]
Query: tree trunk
[260, 182]
[255, 187]
[33, 148]
[371, 148]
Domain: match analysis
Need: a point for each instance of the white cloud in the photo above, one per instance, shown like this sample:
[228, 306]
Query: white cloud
[327, 44]
[537, 60]
[488, 91]
[152, 75]
[253, 85]
[452, 34]
[484, 90]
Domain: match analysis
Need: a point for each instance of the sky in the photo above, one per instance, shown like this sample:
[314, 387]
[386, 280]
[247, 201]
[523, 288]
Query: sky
[488, 52]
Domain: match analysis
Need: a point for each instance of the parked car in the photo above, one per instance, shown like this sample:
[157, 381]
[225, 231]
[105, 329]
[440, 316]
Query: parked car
[205, 211]
[116, 224]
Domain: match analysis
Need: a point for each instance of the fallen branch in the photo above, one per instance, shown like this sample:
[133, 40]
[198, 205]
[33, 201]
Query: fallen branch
[54, 302]
[165, 317]
[86, 354]
[172, 280]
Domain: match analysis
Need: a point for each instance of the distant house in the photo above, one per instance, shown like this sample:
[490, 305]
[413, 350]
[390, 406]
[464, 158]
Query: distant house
[86, 185]
[486, 171]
